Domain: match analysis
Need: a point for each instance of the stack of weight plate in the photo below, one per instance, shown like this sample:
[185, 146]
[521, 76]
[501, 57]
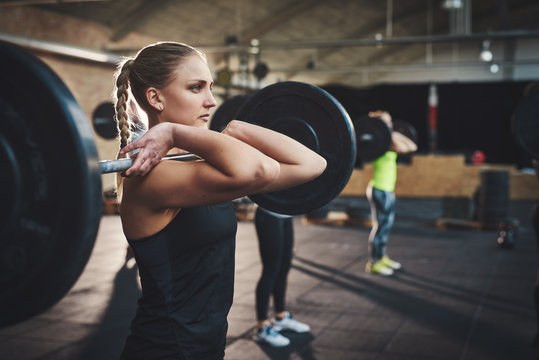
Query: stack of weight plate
[493, 197]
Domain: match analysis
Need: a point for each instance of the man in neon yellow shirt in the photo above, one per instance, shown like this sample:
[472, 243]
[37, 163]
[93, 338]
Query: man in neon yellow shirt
[381, 196]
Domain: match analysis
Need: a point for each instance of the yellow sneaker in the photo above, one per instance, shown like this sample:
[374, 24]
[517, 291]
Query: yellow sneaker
[378, 268]
[391, 263]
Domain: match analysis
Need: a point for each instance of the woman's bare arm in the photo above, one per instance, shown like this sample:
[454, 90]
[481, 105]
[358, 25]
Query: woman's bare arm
[401, 143]
[298, 164]
[225, 153]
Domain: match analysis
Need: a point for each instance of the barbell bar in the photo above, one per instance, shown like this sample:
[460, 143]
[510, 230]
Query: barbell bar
[110, 166]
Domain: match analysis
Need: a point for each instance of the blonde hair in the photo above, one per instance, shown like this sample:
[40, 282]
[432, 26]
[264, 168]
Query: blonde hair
[153, 66]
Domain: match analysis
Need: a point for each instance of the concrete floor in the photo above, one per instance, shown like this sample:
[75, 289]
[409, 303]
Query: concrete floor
[459, 296]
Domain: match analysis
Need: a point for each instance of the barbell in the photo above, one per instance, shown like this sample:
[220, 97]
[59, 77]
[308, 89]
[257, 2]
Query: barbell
[373, 137]
[50, 183]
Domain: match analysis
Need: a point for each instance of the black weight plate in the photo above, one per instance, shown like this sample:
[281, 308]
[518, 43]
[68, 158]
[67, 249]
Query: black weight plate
[373, 138]
[226, 112]
[49, 142]
[315, 118]
[10, 187]
[406, 129]
[103, 121]
[525, 123]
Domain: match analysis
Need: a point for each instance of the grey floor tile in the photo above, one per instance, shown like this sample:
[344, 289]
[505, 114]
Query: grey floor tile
[460, 296]
[360, 341]
[27, 349]
[61, 331]
[425, 346]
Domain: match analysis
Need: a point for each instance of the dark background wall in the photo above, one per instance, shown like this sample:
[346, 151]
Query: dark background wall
[471, 116]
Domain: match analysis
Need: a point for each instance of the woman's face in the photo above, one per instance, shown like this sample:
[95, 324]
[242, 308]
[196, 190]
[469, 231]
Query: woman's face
[188, 98]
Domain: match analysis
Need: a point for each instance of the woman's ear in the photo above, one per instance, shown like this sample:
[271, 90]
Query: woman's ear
[154, 98]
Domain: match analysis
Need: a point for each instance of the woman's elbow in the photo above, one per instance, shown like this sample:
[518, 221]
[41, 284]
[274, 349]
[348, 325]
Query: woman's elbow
[323, 164]
[268, 172]
[259, 175]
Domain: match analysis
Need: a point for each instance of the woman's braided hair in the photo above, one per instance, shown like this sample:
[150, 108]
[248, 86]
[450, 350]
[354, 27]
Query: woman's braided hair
[153, 66]
[122, 94]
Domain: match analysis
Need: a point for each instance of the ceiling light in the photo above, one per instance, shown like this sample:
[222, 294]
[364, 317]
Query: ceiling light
[254, 49]
[494, 68]
[486, 54]
[452, 4]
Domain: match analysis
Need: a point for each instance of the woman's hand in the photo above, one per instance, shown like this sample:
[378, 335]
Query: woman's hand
[152, 146]
[401, 144]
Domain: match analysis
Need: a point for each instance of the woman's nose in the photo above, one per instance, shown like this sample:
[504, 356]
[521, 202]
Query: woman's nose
[210, 100]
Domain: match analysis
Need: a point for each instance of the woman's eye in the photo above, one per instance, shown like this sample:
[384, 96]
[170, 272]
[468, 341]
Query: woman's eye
[196, 87]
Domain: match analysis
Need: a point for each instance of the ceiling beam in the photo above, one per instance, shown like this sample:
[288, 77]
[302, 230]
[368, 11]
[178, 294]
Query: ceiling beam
[406, 19]
[62, 49]
[375, 61]
[134, 19]
[401, 40]
[513, 34]
[43, 2]
[411, 67]
[277, 18]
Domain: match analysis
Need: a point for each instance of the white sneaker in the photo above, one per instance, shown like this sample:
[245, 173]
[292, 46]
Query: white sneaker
[289, 323]
[268, 335]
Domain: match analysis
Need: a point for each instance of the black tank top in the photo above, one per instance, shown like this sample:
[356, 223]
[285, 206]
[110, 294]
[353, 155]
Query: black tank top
[187, 276]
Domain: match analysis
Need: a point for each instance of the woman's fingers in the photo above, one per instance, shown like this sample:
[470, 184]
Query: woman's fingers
[152, 146]
[144, 161]
[131, 146]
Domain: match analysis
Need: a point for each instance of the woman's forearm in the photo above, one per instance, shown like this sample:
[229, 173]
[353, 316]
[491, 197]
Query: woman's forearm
[298, 163]
[274, 144]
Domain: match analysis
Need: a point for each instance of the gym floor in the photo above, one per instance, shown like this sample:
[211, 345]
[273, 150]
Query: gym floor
[459, 296]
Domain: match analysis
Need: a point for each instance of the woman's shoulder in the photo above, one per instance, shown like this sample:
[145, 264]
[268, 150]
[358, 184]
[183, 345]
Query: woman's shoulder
[141, 213]
[161, 176]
